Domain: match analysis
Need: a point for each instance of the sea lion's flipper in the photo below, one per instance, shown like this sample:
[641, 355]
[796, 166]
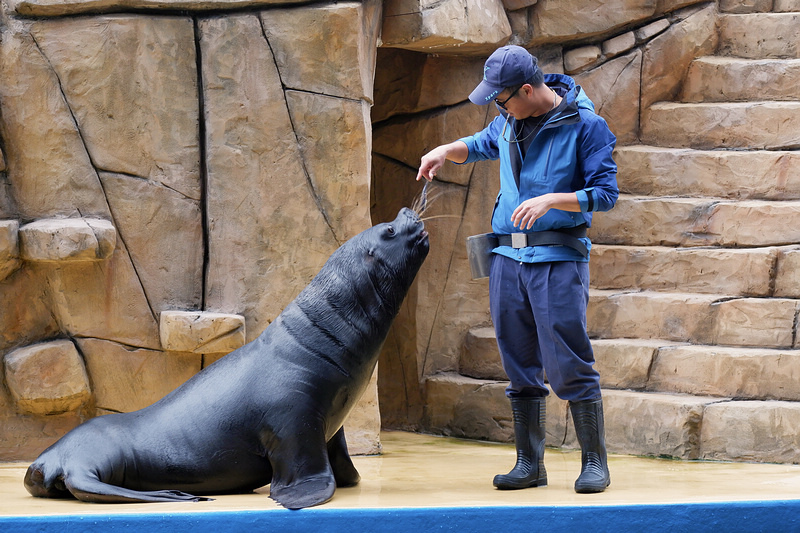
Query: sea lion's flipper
[343, 469]
[90, 489]
[304, 492]
[301, 473]
[44, 485]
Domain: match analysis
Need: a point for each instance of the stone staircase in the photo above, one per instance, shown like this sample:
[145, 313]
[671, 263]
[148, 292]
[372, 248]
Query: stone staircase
[695, 273]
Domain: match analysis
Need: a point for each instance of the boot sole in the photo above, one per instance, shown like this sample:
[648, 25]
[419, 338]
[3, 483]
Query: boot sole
[591, 489]
[517, 486]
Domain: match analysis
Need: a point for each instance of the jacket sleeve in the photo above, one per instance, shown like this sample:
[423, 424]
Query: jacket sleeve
[483, 145]
[599, 170]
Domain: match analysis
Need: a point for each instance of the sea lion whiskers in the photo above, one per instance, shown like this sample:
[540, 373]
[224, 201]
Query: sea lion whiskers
[424, 200]
[424, 219]
[421, 201]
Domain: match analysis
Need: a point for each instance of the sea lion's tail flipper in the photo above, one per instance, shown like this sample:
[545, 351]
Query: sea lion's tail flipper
[90, 489]
[45, 483]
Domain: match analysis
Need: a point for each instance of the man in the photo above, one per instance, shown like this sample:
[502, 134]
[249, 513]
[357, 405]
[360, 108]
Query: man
[556, 168]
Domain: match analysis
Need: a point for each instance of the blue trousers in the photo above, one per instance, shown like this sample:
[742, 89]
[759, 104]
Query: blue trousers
[539, 315]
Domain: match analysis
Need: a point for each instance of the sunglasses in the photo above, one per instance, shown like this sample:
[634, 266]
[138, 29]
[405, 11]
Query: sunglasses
[504, 102]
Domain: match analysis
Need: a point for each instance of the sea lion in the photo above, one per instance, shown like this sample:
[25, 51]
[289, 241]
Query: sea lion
[270, 412]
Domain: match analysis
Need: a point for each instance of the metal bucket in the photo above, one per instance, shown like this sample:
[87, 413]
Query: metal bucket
[479, 253]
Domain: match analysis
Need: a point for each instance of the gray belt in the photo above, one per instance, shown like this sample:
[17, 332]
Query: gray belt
[563, 237]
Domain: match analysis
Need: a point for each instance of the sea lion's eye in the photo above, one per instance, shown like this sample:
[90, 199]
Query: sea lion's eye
[390, 230]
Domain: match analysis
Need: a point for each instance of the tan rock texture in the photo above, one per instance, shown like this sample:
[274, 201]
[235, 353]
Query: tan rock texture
[9, 247]
[201, 332]
[787, 279]
[666, 424]
[726, 371]
[481, 357]
[615, 90]
[751, 431]
[202, 159]
[559, 20]
[747, 6]
[669, 54]
[579, 59]
[672, 221]
[761, 35]
[67, 239]
[47, 378]
[709, 125]
[125, 379]
[703, 270]
[726, 79]
[757, 174]
[449, 26]
[70, 7]
[162, 163]
[101, 80]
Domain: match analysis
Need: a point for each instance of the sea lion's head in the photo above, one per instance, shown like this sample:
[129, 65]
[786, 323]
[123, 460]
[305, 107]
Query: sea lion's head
[391, 254]
[397, 248]
[374, 270]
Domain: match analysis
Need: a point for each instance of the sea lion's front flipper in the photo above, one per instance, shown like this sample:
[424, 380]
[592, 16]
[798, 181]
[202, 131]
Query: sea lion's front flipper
[90, 489]
[301, 473]
[343, 469]
[304, 492]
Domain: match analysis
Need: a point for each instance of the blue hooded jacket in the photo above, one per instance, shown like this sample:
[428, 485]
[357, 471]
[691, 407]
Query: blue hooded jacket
[572, 152]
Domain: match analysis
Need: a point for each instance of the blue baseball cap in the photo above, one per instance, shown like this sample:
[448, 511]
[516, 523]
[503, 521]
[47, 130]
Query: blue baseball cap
[508, 66]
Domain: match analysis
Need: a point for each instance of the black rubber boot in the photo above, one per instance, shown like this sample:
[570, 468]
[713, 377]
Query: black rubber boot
[588, 418]
[529, 435]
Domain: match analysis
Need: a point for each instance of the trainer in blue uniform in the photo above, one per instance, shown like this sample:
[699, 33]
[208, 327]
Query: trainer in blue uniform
[556, 168]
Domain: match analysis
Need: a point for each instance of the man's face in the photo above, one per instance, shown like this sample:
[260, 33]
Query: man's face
[515, 101]
[502, 99]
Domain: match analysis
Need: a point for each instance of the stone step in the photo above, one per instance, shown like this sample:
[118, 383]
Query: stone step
[659, 365]
[641, 423]
[746, 125]
[626, 363]
[669, 221]
[742, 373]
[785, 6]
[759, 35]
[622, 363]
[759, 6]
[696, 318]
[749, 272]
[699, 427]
[480, 357]
[732, 79]
[758, 174]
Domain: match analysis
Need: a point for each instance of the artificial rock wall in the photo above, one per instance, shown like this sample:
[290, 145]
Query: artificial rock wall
[170, 181]
[175, 172]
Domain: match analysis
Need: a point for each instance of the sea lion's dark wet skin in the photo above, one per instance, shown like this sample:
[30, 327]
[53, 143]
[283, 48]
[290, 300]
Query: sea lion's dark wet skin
[269, 412]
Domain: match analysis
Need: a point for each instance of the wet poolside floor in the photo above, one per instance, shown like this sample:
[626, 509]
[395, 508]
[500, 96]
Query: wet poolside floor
[426, 473]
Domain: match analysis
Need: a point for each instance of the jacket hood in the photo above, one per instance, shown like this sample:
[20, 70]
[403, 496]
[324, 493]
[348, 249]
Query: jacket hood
[566, 87]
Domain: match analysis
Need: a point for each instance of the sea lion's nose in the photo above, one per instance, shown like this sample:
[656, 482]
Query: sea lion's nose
[410, 214]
